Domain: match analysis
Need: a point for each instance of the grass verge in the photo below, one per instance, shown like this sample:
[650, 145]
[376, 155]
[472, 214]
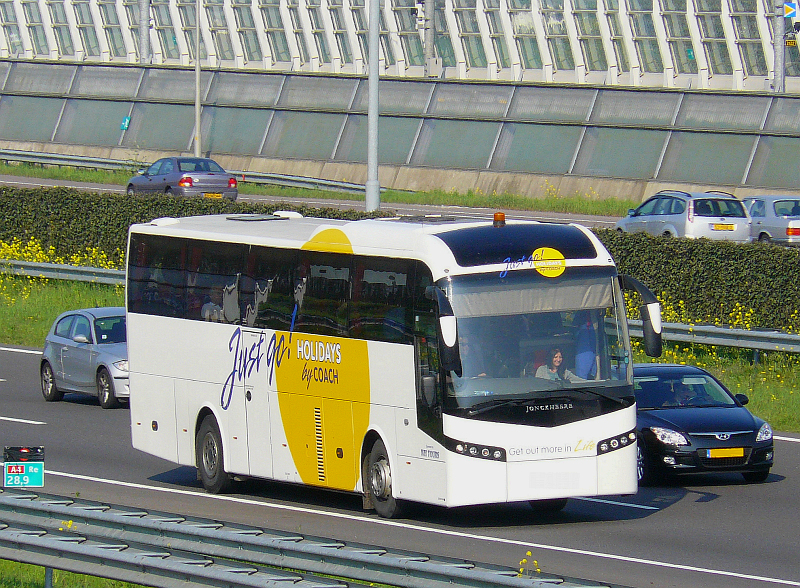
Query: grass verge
[18, 575]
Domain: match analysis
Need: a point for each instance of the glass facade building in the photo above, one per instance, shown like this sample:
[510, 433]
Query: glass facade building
[689, 44]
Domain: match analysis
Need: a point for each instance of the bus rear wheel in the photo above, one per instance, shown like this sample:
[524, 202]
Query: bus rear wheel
[209, 457]
[379, 482]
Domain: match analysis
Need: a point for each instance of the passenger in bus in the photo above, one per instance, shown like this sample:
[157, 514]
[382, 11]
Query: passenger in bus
[555, 369]
[472, 361]
[585, 346]
[212, 309]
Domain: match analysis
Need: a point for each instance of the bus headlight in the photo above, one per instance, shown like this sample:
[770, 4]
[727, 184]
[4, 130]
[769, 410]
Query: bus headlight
[618, 442]
[475, 450]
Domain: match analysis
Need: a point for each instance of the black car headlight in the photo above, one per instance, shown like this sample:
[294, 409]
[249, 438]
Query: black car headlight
[764, 433]
[668, 436]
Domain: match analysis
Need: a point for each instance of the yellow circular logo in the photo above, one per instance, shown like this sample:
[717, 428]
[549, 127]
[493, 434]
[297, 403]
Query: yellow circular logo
[549, 262]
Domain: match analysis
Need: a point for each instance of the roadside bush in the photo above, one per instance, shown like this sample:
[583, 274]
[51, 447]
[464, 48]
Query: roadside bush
[752, 285]
[68, 220]
[714, 280]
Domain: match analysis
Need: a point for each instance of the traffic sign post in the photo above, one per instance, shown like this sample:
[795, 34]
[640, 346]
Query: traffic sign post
[23, 467]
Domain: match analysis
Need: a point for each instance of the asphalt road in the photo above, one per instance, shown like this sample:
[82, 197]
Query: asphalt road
[710, 532]
[421, 209]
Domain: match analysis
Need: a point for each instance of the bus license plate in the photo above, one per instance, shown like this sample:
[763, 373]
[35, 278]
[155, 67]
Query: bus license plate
[212, 195]
[721, 227]
[726, 452]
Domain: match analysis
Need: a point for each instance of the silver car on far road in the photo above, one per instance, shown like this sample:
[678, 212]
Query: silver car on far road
[674, 213]
[776, 219]
[185, 176]
[86, 351]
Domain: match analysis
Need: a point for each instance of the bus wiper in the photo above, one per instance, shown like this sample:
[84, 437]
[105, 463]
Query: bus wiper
[483, 407]
[621, 401]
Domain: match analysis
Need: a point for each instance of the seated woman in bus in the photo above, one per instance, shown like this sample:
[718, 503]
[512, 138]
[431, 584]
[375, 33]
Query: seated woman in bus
[554, 369]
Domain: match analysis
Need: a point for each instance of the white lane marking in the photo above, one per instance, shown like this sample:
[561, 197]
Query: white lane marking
[792, 439]
[485, 538]
[24, 421]
[31, 351]
[616, 503]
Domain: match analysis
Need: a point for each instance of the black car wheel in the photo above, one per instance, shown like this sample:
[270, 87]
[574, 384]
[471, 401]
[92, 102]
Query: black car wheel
[644, 467]
[131, 191]
[756, 477]
[49, 390]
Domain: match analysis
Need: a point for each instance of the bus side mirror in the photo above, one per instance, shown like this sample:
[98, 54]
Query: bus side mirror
[446, 329]
[650, 313]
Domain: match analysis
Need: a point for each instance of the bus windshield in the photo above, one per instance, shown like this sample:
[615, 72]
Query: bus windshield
[529, 338]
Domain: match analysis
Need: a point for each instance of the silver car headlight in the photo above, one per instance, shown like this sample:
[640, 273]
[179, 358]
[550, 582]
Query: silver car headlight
[121, 365]
[668, 436]
[764, 433]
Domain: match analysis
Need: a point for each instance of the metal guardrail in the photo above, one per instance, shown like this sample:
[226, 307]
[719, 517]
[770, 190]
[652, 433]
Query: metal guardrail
[116, 164]
[171, 550]
[58, 271]
[724, 337]
[67, 160]
[702, 334]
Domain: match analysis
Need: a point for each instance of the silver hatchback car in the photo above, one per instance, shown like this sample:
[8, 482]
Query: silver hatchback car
[673, 213]
[185, 176]
[86, 351]
[776, 219]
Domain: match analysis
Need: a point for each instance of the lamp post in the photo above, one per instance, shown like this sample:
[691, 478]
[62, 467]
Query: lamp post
[144, 31]
[197, 146]
[373, 188]
[778, 83]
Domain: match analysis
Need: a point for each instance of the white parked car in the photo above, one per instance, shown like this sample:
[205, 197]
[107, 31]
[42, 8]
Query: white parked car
[776, 218]
[673, 213]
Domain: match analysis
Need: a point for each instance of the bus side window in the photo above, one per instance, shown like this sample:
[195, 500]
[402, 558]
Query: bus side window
[268, 288]
[381, 304]
[324, 294]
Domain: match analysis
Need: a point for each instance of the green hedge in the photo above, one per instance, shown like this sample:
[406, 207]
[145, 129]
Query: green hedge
[711, 279]
[714, 279]
[71, 221]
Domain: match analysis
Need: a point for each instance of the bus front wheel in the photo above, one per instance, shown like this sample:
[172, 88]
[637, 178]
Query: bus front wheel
[208, 453]
[379, 482]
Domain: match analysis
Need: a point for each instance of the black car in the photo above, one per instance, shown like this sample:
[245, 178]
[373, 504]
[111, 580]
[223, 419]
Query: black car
[688, 422]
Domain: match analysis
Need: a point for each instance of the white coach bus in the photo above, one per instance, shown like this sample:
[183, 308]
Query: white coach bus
[422, 359]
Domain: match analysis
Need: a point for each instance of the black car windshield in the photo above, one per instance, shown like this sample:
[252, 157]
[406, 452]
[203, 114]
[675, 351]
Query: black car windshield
[530, 339]
[110, 329]
[680, 391]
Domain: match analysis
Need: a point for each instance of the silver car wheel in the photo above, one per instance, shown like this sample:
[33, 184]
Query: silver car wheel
[49, 390]
[105, 389]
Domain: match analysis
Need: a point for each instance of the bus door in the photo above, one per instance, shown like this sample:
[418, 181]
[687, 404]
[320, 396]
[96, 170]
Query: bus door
[256, 398]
